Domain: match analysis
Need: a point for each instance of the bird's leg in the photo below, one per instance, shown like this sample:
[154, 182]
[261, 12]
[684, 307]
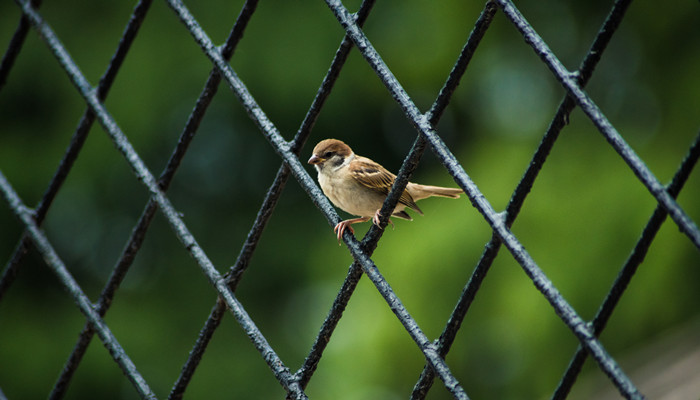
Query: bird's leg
[375, 219]
[343, 225]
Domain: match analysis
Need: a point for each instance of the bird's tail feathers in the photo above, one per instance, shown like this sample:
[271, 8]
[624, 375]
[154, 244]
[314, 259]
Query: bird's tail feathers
[424, 191]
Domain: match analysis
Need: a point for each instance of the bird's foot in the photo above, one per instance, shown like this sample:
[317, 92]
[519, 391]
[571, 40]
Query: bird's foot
[342, 226]
[375, 220]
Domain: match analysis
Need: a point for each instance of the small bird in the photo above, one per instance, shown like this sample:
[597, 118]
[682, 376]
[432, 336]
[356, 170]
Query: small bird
[359, 186]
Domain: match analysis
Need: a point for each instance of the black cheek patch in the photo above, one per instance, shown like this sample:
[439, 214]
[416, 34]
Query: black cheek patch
[338, 162]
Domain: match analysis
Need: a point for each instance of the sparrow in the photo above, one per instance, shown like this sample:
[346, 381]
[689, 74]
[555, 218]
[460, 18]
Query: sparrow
[359, 186]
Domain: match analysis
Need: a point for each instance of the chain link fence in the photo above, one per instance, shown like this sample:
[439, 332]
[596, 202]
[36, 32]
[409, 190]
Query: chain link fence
[292, 377]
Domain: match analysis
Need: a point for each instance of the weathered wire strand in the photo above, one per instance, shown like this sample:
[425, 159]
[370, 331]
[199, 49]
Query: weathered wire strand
[13, 49]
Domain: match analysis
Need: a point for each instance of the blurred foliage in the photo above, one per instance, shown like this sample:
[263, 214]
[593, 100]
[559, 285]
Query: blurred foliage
[583, 216]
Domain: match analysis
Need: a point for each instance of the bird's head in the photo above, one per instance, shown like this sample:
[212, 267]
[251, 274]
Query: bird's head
[330, 152]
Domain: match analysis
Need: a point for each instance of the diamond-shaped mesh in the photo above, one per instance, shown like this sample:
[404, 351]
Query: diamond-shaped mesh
[294, 379]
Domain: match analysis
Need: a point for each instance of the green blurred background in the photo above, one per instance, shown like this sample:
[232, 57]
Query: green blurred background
[580, 222]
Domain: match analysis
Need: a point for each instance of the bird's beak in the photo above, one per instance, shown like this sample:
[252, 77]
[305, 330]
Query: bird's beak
[315, 159]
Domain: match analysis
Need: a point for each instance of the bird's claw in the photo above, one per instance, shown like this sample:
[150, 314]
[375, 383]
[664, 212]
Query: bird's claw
[340, 228]
[375, 220]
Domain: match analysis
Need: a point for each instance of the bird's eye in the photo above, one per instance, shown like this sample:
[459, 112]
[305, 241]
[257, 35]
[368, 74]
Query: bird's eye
[328, 154]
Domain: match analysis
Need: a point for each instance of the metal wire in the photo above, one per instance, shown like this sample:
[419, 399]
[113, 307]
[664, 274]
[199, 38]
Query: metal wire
[361, 251]
[54, 262]
[8, 59]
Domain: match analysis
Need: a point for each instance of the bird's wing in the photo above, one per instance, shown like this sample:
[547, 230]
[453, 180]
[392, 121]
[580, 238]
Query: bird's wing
[377, 178]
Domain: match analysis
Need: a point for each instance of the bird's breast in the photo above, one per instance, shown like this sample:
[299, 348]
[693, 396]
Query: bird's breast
[351, 196]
